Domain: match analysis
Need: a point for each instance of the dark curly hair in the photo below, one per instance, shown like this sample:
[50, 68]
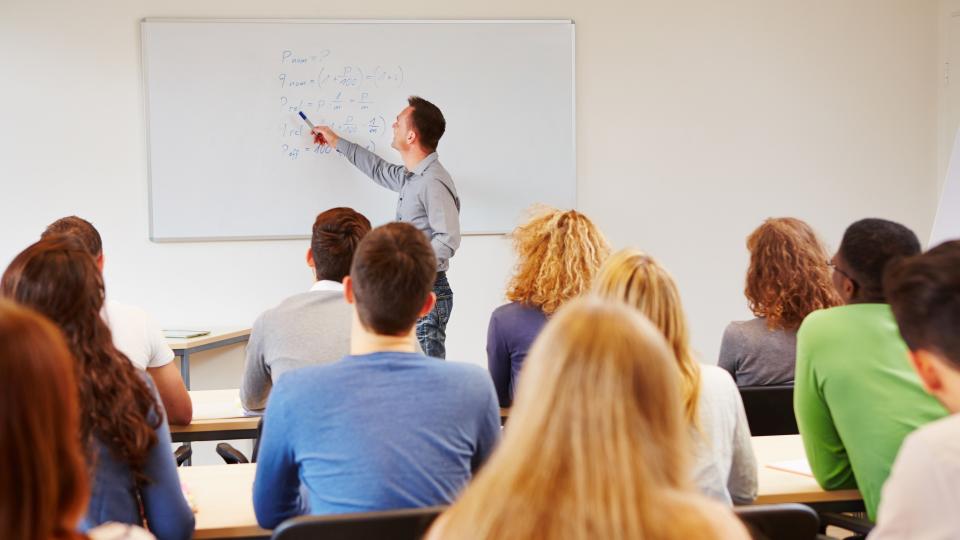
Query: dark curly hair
[788, 275]
[867, 247]
[59, 278]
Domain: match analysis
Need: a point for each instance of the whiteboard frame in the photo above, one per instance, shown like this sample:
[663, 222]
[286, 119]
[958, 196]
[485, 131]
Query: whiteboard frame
[146, 103]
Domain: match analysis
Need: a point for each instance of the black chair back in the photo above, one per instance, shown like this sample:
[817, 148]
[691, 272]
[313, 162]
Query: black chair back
[780, 521]
[409, 524]
[769, 410]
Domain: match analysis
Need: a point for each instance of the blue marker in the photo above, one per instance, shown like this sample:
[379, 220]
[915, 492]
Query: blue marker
[307, 120]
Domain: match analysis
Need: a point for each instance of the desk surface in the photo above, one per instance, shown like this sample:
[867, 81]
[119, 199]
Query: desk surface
[224, 501]
[217, 410]
[216, 335]
[223, 493]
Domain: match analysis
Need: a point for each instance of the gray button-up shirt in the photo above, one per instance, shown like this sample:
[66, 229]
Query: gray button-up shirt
[428, 198]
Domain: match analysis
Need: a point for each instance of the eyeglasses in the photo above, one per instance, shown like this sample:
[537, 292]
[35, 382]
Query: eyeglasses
[833, 266]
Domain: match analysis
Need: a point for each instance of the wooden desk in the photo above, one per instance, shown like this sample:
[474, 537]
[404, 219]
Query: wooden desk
[231, 425]
[183, 348]
[223, 493]
[223, 498]
[777, 486]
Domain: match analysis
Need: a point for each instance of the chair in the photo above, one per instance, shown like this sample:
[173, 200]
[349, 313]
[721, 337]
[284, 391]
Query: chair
[769, 410]
[182, 454]
[232, 456]
[408, 524]
[780, 521]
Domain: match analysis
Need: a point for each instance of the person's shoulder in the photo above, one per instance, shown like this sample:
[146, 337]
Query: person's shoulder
[939, 439]
[517, 309]
[716, 378]
[125, 315]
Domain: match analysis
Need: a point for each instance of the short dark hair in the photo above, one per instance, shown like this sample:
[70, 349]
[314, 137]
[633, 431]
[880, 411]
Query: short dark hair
[868, 246]
[924, 292]
[336, 235]
[393, 273]
[428, 121]
[78, 228]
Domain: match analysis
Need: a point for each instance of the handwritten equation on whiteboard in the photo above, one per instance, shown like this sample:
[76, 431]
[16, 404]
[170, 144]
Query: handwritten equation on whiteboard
[336, 93]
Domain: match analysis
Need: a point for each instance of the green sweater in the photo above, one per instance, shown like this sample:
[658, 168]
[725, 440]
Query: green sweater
[856, 397]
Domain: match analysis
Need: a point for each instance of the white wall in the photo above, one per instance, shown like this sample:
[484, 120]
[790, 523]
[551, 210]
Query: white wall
[696, 119]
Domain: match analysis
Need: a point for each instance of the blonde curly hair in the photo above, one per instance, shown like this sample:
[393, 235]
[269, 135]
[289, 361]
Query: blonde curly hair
[559, 253]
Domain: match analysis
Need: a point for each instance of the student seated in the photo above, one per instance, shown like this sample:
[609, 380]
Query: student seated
[724, 465]
[788, 278]
[855, 395]
[311, 327]
[121, 423]
[44, 488]
[385, 427]
[922, 494]
[559, 253]
[135, 333]
[597, 445]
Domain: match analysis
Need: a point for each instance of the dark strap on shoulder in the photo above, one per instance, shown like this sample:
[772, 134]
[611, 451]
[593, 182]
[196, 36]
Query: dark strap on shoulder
[456, 200]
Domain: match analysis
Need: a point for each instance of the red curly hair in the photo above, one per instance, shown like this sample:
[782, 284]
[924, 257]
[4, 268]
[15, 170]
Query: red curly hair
[788, 275]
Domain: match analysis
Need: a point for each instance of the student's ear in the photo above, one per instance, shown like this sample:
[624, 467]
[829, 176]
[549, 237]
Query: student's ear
[348, 290]
[310, 262]
[100, 262]
[923, 363]
[428, 304]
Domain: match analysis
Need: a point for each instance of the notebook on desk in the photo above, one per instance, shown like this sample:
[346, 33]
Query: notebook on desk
[796, 466]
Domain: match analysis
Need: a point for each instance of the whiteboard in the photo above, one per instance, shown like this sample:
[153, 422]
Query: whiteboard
[946, 224]
[229, 158]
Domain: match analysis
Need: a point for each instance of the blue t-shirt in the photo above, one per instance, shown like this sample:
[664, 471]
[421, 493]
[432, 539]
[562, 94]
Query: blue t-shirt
[373, 432]
[513, 329]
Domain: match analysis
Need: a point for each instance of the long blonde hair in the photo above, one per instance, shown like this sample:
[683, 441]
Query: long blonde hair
[559, 253]
[637, 279]
[596, 446]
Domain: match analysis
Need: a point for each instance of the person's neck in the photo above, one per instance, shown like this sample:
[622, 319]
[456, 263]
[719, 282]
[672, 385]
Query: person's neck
[364, 341]
[413, 156]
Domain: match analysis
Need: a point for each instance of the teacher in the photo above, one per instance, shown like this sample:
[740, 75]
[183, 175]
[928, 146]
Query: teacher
[427, 198]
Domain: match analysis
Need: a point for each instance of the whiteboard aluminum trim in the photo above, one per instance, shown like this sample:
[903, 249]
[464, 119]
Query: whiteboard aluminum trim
[355, 21]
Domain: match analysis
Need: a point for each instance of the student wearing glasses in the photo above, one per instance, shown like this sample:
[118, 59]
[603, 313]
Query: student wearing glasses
[856, 396]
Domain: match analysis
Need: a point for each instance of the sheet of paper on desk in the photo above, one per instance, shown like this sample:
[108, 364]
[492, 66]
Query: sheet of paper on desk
[796, 466]
[223, 409]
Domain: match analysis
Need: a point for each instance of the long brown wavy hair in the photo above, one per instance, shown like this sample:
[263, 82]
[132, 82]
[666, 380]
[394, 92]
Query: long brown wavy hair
[44, 485]
[596, 446]
[788, 275]
[59, 278]
[559, 253]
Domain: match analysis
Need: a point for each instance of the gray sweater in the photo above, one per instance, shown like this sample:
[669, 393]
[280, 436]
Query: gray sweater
[757, 356]
[304, 330]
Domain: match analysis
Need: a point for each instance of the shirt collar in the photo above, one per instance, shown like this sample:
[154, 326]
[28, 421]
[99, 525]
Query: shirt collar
[424, 163]
[327, 285]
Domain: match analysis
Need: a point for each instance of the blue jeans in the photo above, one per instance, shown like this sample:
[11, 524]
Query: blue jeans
[432, 328]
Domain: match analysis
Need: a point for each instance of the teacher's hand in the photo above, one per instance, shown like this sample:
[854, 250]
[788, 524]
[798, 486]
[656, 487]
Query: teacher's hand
[325, 135]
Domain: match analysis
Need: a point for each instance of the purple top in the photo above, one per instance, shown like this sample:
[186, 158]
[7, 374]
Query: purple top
[513, 327]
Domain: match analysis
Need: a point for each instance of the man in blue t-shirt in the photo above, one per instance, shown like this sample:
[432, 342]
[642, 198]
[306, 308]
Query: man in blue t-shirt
[385, 427]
